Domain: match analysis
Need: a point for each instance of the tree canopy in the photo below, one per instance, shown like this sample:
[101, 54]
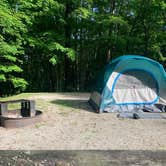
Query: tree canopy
[62, 45]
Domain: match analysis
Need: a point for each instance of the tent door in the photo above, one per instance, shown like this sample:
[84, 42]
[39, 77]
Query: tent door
[135, 87]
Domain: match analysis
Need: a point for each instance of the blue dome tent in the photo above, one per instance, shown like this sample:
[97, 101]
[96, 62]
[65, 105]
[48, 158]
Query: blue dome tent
[130, 82]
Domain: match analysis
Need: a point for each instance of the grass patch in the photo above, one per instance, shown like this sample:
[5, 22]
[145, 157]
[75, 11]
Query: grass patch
[14, 106]
[64, 106]
[16, 97]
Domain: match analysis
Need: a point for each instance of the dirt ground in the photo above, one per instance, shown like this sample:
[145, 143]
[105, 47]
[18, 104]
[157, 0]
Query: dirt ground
[69, 123]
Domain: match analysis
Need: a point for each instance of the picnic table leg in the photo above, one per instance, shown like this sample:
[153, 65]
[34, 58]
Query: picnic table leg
[3, 108]
[25, 109]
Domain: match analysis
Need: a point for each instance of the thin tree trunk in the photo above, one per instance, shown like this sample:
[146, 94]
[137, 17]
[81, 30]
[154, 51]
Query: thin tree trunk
[67, 44]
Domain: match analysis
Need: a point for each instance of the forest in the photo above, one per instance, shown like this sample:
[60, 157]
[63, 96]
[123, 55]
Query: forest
[62, 45]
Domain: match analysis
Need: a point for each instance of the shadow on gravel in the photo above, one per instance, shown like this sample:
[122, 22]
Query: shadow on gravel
[76, 104]
[83, 158]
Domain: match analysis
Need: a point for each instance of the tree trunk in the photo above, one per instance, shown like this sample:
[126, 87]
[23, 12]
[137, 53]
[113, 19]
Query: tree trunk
[67, 44]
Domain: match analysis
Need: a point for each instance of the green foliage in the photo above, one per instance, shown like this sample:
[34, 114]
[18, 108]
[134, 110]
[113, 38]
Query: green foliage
[56, 46]
[53, 60]
[117, 20]
[82, 13]
[71, 53]
[61, 45]
[2, 77]
[19, 83]
[11, 32]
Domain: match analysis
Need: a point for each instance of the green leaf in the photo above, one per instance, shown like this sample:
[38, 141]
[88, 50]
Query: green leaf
[11, 58]
[2, 77]
[56, 46]
[5, 48]
[117, 20]
[11, 68]
[71, 53]
[82, 12]
[53, 60]
[19, 83]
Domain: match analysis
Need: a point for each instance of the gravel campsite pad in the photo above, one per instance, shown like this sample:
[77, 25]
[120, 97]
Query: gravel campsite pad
[69, 123]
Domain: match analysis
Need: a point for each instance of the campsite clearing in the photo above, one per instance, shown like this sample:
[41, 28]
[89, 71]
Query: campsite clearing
[70, 123]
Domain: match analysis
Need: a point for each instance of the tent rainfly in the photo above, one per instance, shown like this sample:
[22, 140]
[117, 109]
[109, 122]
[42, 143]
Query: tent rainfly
[131, 83]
